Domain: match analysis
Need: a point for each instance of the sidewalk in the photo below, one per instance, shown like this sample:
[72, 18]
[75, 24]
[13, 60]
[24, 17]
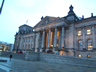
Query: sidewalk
[16, 65]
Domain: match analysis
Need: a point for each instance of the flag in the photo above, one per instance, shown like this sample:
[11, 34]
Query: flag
[26, 21]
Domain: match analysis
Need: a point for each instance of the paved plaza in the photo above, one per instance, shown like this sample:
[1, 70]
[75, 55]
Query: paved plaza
[17, 65]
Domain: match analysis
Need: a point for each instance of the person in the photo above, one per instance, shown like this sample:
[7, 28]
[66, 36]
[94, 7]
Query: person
[10, 56]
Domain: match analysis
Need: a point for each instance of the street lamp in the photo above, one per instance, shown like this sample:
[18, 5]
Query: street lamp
[1, 6]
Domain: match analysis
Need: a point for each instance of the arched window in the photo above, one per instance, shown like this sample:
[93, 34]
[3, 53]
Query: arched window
[80, 45]
[90, 44]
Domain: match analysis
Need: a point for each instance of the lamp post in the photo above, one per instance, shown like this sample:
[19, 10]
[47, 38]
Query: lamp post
[1, 6]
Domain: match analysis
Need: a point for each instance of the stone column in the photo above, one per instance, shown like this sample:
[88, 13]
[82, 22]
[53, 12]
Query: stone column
[43, 37]
[38, 38]
[34, 41]
[31, 43]
[55, 39]
[21, 43]
[84, 40]
[48, 41]
[59, 39]
[93, 36]
[62, 39]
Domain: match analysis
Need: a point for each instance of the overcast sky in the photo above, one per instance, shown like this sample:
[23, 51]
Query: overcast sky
[17, 12]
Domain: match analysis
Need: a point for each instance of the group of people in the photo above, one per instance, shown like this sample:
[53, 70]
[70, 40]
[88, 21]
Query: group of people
[47, 51]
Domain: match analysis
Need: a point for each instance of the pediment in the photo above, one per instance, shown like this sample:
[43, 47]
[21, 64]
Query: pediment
[46, 21]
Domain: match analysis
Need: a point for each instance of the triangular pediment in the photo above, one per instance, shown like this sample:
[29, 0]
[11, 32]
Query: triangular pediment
[46, 21]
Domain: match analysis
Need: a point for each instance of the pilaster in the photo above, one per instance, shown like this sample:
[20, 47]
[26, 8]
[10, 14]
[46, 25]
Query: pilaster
[93, 35]
[84, 39]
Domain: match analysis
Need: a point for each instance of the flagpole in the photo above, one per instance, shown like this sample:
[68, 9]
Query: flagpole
[27, 21]
[2, 6]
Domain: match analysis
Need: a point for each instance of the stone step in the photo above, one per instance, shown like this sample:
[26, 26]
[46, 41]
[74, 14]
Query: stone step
[3, 60]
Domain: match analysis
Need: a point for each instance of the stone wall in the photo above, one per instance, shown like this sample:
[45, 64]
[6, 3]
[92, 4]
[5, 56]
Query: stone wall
[4, 53]
[52, 58]
[32, 56]
[85, 54]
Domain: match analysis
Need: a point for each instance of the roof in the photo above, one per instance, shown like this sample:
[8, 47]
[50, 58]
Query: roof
[25, 25]
[46, 20]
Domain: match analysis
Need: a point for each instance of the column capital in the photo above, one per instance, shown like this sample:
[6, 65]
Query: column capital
[59, 28]
[82, 27]
[43, 28]
[55, 26]
[62, 25]
[52, 29]
[93, 25]
[89, 26]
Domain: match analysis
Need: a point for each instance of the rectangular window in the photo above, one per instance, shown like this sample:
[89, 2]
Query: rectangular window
[79, 33]
[88, 31]
[79, 55]
[88, 56]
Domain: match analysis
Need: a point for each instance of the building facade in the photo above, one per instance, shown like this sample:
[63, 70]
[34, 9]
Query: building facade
[7, 47]
[69, 35]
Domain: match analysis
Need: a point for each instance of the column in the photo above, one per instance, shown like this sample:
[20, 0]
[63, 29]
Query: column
[43, 37]
[59, 39]
[21, 43]
[48, 41]
[31, 43]
[38, 38]
[19, 40]
[55, 38]
[84, 39]
[62, 39]
[93, 35]
[34, 41]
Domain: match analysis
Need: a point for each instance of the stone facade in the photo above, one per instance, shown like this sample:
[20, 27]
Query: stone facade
[69, 35]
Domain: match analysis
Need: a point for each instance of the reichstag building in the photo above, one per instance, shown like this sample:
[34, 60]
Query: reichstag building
[69, 35]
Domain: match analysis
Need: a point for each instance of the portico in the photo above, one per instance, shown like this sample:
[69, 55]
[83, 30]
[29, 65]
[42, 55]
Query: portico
[51, 38]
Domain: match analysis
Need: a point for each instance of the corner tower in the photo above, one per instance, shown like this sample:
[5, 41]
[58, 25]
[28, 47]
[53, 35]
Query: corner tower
[71, 15]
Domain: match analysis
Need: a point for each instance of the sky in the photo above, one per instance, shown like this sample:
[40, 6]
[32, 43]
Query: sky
[17, 12]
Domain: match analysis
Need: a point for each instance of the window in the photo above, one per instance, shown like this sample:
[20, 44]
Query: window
[79, 33]
[80, 45]
[88, 31]
[90, 44]
[79, 55]
[88, 56]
